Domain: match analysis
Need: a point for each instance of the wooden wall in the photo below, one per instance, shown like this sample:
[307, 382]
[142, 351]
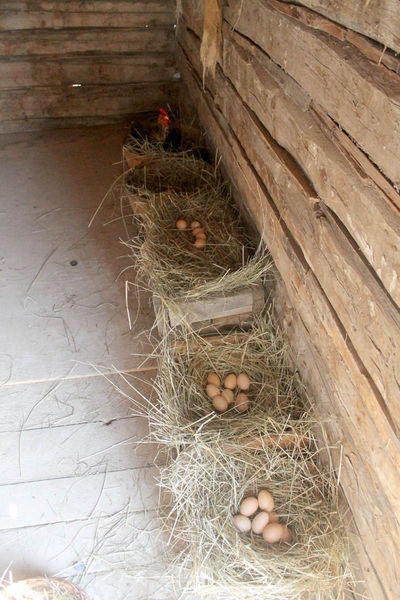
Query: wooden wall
[121, 52]
[304, 109]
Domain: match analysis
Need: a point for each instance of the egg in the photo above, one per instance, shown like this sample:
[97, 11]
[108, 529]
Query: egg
[243, 381]
[201, 235]
[219, 403]
[273, 517]
[249, 506]
[181, 224]
[214, 379]
[228, 395]
[212, 390]
[242, 402]
[259, 522]
[198, 230]
[195, 224]
[242, 523]
[287, 534]
[230, 381]
[273, 533]
[266, 501]
[199, 243]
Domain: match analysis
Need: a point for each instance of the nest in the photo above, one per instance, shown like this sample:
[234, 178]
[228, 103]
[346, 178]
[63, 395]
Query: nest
[278, 404]
[42, 588]
[205, 486]
[167, 262]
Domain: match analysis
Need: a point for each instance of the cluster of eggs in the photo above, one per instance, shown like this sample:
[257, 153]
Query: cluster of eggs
[197, 230]
[231, 392]
[258, 515]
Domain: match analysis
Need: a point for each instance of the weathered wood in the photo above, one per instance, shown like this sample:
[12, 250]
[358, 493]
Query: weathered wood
[376, 19]
[213, 313]
[60, 18]
[60, 101]
[344, 185]
[72, 42]
[126, 68]
[371, 321]
[89, 6]
[352, 397]
[356, 93]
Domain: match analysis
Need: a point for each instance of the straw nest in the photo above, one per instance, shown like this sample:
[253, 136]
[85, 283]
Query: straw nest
[204, 487]
[167, 262]
[42, 588]
[184, 413]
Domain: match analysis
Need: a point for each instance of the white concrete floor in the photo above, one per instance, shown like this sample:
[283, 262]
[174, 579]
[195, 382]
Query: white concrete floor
[78, 497]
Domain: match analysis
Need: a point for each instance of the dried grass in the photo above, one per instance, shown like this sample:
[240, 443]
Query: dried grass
[42, 588]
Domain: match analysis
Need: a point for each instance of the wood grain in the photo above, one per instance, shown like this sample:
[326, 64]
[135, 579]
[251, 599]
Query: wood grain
[354, 92]
[351, 392]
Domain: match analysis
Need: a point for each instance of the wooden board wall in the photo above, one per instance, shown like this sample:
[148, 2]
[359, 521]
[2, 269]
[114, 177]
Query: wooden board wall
[305, 115]
[74, 62]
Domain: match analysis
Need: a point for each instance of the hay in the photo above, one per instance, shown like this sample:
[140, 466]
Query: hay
[166, 260]
[42, 588]
[204, 487]
[184, 414]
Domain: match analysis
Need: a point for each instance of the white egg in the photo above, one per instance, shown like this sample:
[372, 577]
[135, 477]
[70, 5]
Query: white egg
[248, 506]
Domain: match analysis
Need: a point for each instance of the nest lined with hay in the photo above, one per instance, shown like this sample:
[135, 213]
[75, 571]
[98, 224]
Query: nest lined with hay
[168, 264]
[204, 487]
[278, 404]
[42, 588]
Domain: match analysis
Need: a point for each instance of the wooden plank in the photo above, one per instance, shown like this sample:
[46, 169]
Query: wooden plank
[126, 68]
[60, 101]
[60, 18]
[72, 42]
[74, 498]
[352, 391]
[354, 92]
[376, 19]
[90, 6]
[369, 317]
[344, 185]
[47, 123]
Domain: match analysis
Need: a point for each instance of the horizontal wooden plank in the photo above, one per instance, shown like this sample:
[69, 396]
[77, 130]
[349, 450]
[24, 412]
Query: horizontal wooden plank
[81, 41]
[356, 93]
[127, 68]
[90, 6]
[352, 392]
[370, 319]
[376, 19]
[47, 123]
[90, 100]
[344, 185]
[35, 19]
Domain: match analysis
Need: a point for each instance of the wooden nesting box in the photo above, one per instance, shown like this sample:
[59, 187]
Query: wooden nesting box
[303, 109]
[213, 313]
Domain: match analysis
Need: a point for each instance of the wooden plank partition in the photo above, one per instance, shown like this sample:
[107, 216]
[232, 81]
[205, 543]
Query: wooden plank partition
[304, 123]
[77, 62]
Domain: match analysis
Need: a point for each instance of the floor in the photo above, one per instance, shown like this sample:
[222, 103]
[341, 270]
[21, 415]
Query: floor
[78, 494]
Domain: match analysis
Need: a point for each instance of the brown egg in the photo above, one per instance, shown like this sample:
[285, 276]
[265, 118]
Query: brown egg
[181, 224]
[242, 402]
[273, 517]
[212, 390]
[219, 403]
[199, 243]
[197, 230]
[201, 235]
[195, 224]
[266, 501]
[273, 533]
[228, 395]
[230, 381]
[248, 506]
[243, 381]
[214, 379]
[287, 534]
[259, 522]
[242, 523]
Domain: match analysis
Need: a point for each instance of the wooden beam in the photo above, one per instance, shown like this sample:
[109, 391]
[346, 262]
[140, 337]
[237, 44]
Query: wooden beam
[354, 92]
[364, 432]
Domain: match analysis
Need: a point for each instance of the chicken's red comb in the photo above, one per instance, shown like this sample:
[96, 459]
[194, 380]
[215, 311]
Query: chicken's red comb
[164, 113]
